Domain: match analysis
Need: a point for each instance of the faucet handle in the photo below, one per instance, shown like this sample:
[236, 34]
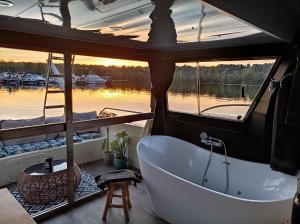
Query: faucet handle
[206, 141]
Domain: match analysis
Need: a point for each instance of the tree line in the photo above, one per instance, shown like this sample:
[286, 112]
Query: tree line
[138, 77]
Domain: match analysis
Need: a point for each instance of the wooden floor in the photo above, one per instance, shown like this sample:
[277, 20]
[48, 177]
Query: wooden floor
[91, 211]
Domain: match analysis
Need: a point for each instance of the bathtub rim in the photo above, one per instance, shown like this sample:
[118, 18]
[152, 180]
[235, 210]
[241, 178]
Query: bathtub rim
[205, 188]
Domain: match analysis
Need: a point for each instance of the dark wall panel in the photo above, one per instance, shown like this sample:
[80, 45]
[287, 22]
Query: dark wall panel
[239, 144]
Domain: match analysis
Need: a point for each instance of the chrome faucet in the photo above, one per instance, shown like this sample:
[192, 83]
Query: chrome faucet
[207, 140]
[211, 141]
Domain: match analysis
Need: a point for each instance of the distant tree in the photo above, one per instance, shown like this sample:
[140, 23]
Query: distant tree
[137, 77]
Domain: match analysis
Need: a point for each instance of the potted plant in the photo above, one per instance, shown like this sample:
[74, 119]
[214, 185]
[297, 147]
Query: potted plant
[120, 146]
[108, 154]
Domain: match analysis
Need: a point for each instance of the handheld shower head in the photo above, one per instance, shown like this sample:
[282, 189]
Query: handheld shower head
[210, 140]
[203, 135]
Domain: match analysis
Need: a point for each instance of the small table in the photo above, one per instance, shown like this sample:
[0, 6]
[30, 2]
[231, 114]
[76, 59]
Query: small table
[37, 185]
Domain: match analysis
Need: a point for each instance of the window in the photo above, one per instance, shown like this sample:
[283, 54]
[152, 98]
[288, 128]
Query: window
[194, 20]
[219, 88]
[104, 83]
[120, 86]
[97, 83]
[22, 77]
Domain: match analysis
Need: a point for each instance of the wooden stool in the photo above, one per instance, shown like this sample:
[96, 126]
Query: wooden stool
[125, 198]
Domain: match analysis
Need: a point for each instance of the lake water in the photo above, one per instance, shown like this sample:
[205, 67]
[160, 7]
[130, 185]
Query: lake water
[27, 102]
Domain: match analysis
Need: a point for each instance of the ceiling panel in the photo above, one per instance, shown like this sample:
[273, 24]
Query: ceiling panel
[19, 6]
[194, 21]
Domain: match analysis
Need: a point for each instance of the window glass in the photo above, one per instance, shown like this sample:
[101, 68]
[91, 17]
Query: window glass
[102, 87]
[97, 83]
[28, 160]
[194, 20]
[22, 81]
[219, 88]
[103, 83]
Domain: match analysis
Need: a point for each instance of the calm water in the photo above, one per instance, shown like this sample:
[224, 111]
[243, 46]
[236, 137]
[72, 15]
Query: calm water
[27, 102]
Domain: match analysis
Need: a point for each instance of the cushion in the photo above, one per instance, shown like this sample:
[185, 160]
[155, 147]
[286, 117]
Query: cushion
[63, 140]
[7, 124]
[77, 138]
[3, 153]
[13, 150]
[29, 147]
[51, 120]
[84, 117]
[54, 143]
[41, 145]
[91, 135]
[106, 178]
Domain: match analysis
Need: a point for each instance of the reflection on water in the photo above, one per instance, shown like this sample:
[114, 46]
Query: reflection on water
[215, 99]
[227, 91]
[27, 102]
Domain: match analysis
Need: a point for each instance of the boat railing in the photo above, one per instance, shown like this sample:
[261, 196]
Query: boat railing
[13, 133]
[118, 109]
[225, 105]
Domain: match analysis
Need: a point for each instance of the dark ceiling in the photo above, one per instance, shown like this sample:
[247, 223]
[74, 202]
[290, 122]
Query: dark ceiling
[128, 22]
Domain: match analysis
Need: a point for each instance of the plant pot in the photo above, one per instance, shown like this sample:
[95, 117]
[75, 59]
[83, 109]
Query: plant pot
[120, 163]
[108, 158]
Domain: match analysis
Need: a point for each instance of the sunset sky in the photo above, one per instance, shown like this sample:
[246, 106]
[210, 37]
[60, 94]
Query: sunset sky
[35, 56]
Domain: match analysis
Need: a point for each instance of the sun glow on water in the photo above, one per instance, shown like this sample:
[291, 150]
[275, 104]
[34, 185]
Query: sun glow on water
[109, 94]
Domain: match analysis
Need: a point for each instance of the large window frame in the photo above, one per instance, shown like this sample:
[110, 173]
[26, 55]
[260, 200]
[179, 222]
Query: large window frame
[68, 126]
[256, 99]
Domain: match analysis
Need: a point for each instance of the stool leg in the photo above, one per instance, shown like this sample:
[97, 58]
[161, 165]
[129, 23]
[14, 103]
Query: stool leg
[112, 190]
[108, 201]
[125, 202]
[127, 196]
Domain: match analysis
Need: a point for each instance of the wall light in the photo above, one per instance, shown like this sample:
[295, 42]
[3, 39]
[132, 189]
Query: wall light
[5, 3]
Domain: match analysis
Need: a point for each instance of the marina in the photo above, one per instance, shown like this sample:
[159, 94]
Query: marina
[29, 79]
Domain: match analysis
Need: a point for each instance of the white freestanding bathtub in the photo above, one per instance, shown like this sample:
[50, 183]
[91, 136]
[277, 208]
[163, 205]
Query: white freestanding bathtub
[173, 169]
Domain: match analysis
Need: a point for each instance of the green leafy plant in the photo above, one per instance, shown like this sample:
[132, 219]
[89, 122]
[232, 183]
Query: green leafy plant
[120, 145]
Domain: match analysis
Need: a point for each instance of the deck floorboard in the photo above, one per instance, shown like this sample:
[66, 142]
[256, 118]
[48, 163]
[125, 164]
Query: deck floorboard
[90, 212]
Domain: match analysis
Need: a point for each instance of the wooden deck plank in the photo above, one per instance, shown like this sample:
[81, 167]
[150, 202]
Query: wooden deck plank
[91, 211]
[11, 212]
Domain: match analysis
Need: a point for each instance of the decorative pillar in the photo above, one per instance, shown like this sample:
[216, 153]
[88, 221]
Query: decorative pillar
[162, 68]
[162, 33]
[65, 13]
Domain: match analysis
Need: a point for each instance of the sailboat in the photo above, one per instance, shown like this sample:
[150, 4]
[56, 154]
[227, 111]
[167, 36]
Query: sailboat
[59, 80]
